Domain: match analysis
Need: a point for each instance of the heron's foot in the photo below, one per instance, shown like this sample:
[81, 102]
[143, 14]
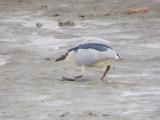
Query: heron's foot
[79, 76]
[103, 79]
[68, 79]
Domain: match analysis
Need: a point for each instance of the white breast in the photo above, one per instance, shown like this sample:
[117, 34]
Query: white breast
[92, 56]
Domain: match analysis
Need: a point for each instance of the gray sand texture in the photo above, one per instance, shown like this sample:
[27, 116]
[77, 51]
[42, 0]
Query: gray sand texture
[32, 37]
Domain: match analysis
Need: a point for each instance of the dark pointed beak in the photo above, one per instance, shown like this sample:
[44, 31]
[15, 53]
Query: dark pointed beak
[62, 57]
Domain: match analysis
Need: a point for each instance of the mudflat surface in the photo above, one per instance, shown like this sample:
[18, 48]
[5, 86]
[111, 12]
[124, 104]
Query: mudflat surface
[31, 39]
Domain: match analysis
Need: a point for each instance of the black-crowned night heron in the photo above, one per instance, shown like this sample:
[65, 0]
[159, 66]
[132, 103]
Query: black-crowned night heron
[92, 53]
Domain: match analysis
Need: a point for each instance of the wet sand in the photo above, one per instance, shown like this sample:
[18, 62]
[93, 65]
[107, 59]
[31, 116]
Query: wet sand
[31, 39]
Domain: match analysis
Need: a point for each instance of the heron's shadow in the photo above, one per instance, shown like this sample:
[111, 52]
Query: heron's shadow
[114, 84]
[75, 79]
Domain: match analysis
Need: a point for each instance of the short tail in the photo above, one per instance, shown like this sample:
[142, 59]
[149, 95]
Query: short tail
[118, 56]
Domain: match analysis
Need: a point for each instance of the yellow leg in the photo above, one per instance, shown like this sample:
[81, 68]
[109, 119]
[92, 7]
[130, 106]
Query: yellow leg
[82, 72]
[104, 74]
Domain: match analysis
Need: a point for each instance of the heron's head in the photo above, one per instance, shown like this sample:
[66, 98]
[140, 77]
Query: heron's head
[71, 55]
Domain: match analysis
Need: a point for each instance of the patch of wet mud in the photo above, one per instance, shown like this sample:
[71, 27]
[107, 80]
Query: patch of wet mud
[31, 82]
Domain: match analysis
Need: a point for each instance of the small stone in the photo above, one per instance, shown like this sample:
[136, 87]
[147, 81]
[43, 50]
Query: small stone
[92, 114]
[3, 112]
[82, 16]
[67, 23]
[64, 114]
[45, 6]
[105, 115]
[60, 24]
[56, 15]
[108, 13]
[5, 53]
[48, 59]
[39, 25]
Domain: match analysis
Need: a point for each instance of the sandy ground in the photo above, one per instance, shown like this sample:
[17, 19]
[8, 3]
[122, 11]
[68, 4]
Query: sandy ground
[30, 80]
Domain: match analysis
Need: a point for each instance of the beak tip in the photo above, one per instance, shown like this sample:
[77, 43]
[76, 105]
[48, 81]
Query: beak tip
[60, 58]
[56, 60]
